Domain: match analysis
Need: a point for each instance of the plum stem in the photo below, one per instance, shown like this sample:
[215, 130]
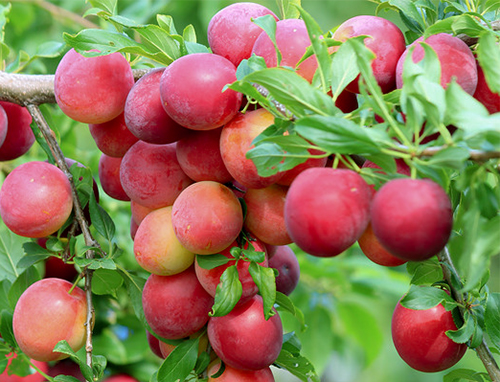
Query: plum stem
[483, 351]
[79, 216]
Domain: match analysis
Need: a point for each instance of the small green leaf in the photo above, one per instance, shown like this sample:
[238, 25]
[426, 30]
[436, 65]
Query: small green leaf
[268, 25]
[105, 281]
[492, 318]
[251, 254]
[452, 157]
[11, 251]
[25, 279]
[101, 220]
[96, 263]
[344, 69]
[135, 285]
[211, 261]
[288, 9]
[228, 292]
[464, 333]
[422, 297]
[488, 55]
[202, 363]
[297, 365]
[265, 280]
[424, 272]
[179, 364]
[64, 348]
[464, 375]
[6, 327]
[106, 5]
[285, 303]
[34, 254]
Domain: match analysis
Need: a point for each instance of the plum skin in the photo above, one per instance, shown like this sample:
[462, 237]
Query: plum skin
[420, 340]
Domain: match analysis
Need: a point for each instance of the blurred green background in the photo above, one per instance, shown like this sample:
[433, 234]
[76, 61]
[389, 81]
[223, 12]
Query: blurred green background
[347, 301]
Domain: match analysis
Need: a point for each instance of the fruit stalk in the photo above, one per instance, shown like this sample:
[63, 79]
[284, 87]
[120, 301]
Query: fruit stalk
[79, 216]
[483, 351]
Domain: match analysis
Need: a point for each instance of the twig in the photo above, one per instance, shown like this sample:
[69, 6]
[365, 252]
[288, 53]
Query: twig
[483, 351]
[35, 89]
[79, 216]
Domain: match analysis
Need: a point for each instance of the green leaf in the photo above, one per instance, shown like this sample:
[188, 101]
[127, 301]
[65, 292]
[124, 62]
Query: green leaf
[424, 272]
[285, 303]
[25, 279]
[488, 55]
[468, 25]
[11, 251]
[422, 297]
[106, 5]
[251, 254]
[278, 153]
[268, 25]
[49, 49]
[105, 281]
[228, 292]
[135, 285]
[65, 378]
[211, 261]
[461, 375]
[96, 263]
[288, 9]
[100, 219]
[99, 363]
[202, 363]
[265, 280]
[297, 365]
[492, 318]
[107, 42]
[464, 333]
[290, 89]
[6, 327]
[340, 135]
[180, 362]
[34, 254]
[344, 69]
[319, 48]
[4, 49]
[64, 348]
[409, 14]
[452, 157]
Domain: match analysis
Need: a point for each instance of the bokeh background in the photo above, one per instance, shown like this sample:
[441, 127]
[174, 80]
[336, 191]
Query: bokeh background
[347, 301]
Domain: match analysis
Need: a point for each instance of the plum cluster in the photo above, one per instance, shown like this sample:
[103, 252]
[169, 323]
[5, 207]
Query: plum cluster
[174, 144]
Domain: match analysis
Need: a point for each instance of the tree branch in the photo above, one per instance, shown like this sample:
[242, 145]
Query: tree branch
[79, 216]
[483, 351]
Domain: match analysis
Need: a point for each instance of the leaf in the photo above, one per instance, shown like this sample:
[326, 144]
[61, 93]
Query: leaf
[319, 48]
[202, 363]
[180, 362]
[228, 292]
[33, 254]
[422, 298]
[488, 55]
[343, 70]
[461, 375]
[278, 153]
[96, 263]
[135, 285]
[452, 157]
[107, 42]
[64, 348]
[409, 14]
[424, 272]
[49, 49]
[286, 304]
[4, 49]
[464, 333]
[10, 253]
[105, 281]
[265, 280]
[492, 318]
[290, 89]
[251, 254]
[288, 9]
[268, 25]
[340, 135]
[468, 25]
[101, 221]
[297, 365]
[99, 363]
[6, 327]
[211, 261]
[25, 279]
[106, 5]
[65, 378]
